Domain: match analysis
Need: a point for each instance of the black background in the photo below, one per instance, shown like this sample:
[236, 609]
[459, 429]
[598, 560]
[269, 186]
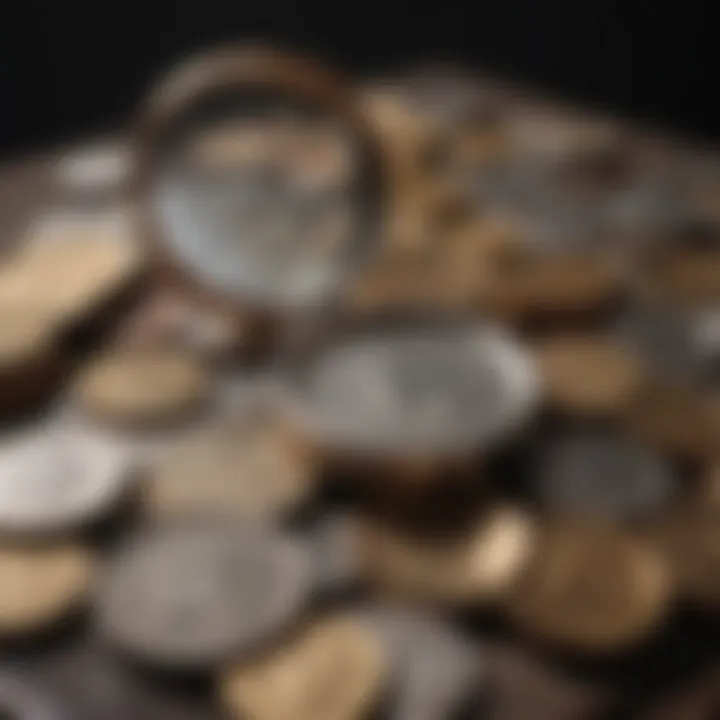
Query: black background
[70, 67]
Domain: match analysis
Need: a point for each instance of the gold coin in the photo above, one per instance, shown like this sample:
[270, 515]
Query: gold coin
[139, 388]
[41, 584]
[335, 668]
[680, 419]
[246, 467]
[591, 588]
[691, 539]
[476, 566]
[588, 374]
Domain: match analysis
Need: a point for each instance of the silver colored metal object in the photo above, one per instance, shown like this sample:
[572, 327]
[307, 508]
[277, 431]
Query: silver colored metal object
[435, 386]
[438, 672]
[603, 474]
[192, 593]
[57, 477]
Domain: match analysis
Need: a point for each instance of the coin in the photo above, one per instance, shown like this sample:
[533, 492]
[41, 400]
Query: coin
[678, 418]
[603, 473]
[245, 466]
[142, 387]
[334, 668]
[591, 588]
[437, 671]
[41, 585]
[424, 388]
[691, 539]
[468, 569]
[526, 686]
[56, 478]
[23, 699]
[193, 593]
[588, 374]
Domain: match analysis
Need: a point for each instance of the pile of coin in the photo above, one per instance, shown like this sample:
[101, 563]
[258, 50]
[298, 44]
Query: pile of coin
[395, 402]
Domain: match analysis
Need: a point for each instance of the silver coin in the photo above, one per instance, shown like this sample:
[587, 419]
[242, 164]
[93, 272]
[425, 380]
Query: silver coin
[438, 387]
[193, 593]
[604, 474]
[438, 672]
[56, 477]
[23, 698]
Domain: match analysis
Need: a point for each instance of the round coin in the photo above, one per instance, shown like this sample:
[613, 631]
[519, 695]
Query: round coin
[192, 593]
[591, 588]
[41, 585]
[142, 387]
[334, 668]
[57, 478]
[604, 474]
[438, 672]
[416, 387]
[588, 375]
[245, 467]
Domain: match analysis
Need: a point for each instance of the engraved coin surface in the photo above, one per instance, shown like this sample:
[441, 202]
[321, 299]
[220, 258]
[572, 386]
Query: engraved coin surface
[334, 668]
[56, 478]
[603, 473]
[194, 593]
[41, 585]
[143, 387]
[592, 588]
[444, 388]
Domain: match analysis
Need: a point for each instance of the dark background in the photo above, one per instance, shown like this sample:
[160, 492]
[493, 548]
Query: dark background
[70, 67]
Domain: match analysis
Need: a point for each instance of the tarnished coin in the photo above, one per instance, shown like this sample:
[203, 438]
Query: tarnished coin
[526, 686]
[588, 374]
[334, 668]
[143, 387]
[468, 569]
[604, 474]
[678, 418]
[245, 466]
[417, 387]
[23, 698]
[56, 478]
[438, 672]
[691, 539]
[41, 585]
[193, 593]
[591, 588]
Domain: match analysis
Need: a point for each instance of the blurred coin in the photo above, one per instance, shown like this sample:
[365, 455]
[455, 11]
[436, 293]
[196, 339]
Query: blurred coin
[691, 539]
[57, 478]
[679, 418]
[528, 686]
[588, 374]
[41, 585]
[245, 467]
[23, 698]
[604, 474]
[193, 593]
[464, 569]
[428, 388]
[438, 672]
[333, 668]
[142, 387]
[591, 588]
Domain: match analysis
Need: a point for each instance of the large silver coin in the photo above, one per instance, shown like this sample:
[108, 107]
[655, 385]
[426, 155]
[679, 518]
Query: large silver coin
[193, 593]
[438, 672]
[603, 474]
[23, 699]
[439, 387]
[55, 478]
